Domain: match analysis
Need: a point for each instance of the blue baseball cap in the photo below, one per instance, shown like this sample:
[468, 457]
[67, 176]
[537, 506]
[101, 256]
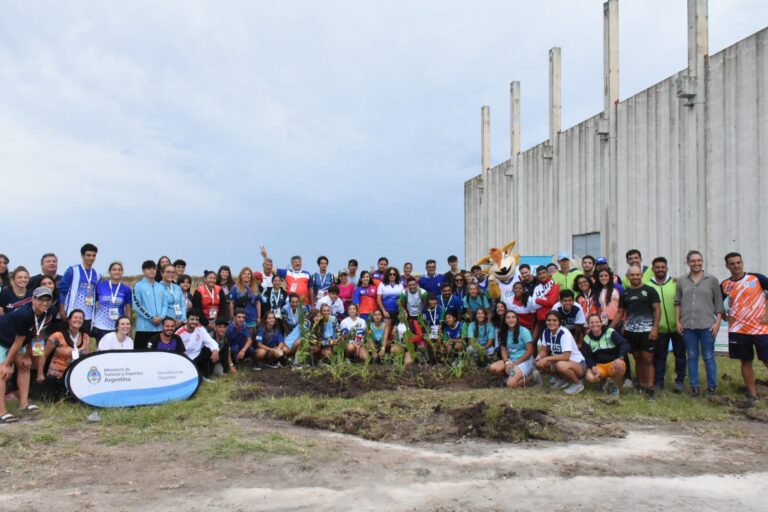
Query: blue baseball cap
[601, 261]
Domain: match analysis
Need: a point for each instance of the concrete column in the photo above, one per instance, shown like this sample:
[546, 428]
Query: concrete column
[610, 54]
[698, 36]
[555, 104]
[514, 119]
[485, 138]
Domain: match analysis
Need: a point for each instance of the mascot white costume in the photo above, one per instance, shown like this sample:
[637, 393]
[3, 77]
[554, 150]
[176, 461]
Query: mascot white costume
[501, 267]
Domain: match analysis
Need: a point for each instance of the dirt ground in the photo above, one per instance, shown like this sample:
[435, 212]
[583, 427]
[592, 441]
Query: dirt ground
[466, 464]
[693, 468]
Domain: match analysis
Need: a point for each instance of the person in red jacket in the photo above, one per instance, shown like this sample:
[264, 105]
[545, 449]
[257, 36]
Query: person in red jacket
[545, 295]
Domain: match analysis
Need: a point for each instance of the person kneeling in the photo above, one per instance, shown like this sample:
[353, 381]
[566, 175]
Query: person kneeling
[200, 347]
[61, 350]
[516, 353]
[353, 329]
[560, 356]
[269, 339]
[454, 333]
[324, 334]
[604, 350]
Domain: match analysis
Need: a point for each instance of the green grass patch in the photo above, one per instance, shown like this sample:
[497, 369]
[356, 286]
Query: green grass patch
[270, 444]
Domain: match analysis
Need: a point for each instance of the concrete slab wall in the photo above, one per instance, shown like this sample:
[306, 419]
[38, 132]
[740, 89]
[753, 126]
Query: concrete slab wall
[668, 178]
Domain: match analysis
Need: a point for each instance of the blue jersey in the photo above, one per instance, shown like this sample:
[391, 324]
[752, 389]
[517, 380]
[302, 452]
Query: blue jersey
[454, 302]
[78, 289]
[177, 304]
[432, 284]
[320, 283]
[237, 336]
[248, 301]
[111, 300]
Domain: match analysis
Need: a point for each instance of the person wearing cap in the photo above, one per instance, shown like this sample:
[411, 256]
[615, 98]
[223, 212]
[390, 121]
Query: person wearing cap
[22, 333]
[77, 288]
[246, 295]
[150, 304]
[565, 277]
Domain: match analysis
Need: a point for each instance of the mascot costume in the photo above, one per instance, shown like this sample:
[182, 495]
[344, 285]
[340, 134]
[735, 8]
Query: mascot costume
[501, 267]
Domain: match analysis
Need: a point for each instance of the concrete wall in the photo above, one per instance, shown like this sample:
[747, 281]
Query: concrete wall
[669, 178]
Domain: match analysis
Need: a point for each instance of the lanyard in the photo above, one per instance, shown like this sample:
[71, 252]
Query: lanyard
[89, 275]
[442, 301]
[432, 316]
[114, 293]
[39, 327]
[322, 283]
[212, 294]
[272, 301]
[172, 300]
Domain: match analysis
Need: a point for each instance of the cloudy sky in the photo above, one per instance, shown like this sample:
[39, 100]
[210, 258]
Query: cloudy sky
[203, 129]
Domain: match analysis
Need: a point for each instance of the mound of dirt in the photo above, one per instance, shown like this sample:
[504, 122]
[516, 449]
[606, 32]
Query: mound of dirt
[505, 423]
[320, 382]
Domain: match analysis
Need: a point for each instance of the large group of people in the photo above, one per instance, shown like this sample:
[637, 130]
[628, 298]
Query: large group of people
[560, 325]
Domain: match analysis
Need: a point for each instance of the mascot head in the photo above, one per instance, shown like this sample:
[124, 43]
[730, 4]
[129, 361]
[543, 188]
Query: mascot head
[501, 266]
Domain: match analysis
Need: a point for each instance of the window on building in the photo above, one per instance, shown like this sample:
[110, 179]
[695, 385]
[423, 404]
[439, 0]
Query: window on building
[588, 243]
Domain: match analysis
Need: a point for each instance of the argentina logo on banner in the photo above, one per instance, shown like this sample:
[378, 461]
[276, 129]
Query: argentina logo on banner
[120, 378]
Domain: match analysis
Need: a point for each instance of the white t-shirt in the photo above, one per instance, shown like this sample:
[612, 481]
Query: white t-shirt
[110, 342]
[562, 342]
[506, 291]
[337, 306]
[356, 326]
[195, 340]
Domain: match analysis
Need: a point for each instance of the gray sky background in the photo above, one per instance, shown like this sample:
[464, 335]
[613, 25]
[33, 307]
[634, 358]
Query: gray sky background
[202, 129]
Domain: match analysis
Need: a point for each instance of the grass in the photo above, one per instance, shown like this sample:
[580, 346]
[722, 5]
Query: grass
[212, 416]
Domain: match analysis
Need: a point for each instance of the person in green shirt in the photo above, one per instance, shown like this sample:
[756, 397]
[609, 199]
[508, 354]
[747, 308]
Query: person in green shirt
[635, 259]
[566, 276]
[666, 287]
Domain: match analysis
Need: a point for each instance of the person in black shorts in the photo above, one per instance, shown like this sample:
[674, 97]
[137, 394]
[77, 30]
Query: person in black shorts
[641, 304]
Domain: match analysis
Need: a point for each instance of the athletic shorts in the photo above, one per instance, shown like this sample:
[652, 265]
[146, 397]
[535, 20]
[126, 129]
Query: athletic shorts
[639, 342]
[604, 370]
[526, 367]
[743, 346]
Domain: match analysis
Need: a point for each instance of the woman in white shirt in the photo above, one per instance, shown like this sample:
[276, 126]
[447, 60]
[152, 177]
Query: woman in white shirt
[561, 357]
[388, 294]
[119, 339]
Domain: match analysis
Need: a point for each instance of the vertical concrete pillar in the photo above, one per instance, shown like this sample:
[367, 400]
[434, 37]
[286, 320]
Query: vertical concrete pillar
[485, 138]
[555, 100]
[514, 119]
[610, 54]
[698, 36]
[608, 128]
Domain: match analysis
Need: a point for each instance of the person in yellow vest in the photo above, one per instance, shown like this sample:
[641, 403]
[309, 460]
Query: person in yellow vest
[566, 276]
[666, 287]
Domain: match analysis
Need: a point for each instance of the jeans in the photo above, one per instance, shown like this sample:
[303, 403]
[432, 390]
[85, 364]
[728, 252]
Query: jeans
[695, 339]
[660, 357]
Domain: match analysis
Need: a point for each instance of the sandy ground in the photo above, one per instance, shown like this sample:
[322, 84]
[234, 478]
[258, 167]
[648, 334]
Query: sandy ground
[694, 468]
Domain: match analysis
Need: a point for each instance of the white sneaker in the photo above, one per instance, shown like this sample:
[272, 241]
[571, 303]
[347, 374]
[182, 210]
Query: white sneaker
[628, 384]
[574, 389]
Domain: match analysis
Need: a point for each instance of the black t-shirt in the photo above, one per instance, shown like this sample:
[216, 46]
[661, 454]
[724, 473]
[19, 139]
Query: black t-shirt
[9, 301]
[638, 303]
[23, 322]
[34, 281]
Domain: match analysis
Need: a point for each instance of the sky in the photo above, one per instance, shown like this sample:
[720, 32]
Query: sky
[202, 130]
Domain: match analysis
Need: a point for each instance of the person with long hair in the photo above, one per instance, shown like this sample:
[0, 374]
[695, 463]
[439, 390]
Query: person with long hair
[604, 350]
[365, 295]
[209, 299]
[560, 356]
[353, 329]
[607, 295]
[16, 295]
[586, 296]
[523, 305]
[176, 305]
[185, 283]
[162, 261]
[377, 335]
[61, 350]
[324, 334]
[224, 279]
[388, 293]
[113, 300]
[246, 295]
[459, 286]
[481, 330]
[474, 300]
[5, 278]
[516, 344]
